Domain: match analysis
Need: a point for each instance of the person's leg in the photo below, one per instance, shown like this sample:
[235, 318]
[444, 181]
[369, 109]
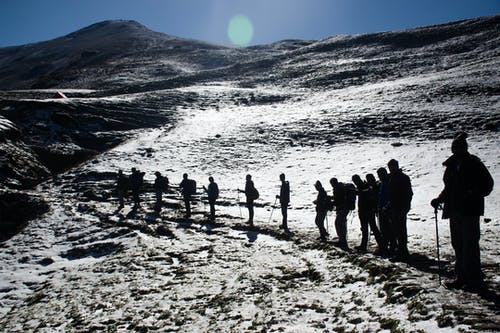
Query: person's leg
[471, 252]
[320, 219]
[250, 211]
[212, 208]
[120, 198]
[376, 232]
[188, 205]
[341, 225]
[284, 213]
[457, 244]
[364, 231]
[386, 230]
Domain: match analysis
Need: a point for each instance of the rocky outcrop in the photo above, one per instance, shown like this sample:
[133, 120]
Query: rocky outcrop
[16, 209]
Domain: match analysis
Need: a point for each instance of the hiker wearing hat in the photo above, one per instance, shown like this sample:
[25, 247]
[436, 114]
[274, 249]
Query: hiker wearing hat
[400, 195]
[466, 182]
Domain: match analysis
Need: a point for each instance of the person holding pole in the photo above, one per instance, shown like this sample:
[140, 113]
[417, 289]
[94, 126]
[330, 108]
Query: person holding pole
[284, 198]
[466, 182]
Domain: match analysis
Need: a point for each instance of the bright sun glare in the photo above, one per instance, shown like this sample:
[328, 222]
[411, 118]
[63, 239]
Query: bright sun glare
[240, 30]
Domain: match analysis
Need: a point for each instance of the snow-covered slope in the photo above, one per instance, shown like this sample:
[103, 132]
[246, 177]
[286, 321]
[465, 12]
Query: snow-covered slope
[313, 110]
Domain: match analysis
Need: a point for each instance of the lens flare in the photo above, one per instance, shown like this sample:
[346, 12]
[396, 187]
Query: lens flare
[240, 30]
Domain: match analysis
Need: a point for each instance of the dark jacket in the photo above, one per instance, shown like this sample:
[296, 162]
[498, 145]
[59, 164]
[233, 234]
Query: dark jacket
[366, 198]
[400, 192]
[213, 191]
[250, 191]
[465, 186]
[383, 195]
[285, 193]
[322, 200]
[340, 197]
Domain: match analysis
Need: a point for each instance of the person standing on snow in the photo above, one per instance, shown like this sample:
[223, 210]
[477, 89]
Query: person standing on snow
[366, 211]
[160, 186]
[251, 194]
[136, 182]
[321, 203]
[466, 182]
[121, 188]
[400, 195]
[384, 217]
[341, 204]
[284, 198]
[213, 194]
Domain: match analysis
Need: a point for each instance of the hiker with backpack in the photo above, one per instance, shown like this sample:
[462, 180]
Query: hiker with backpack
[384, 217]
[188, 189]
[121, 188]
[344, 200]
[136, 182]
[400, 195]
[251, 194]
[366, 213]
[322, 203]
[213, 194]
[467, 182]
[160, 186]
[284, 198]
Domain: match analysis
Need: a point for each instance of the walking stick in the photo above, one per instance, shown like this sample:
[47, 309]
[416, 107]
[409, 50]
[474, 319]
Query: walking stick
[239, 206]
[326, 216]
[272, 210]
[437, 243]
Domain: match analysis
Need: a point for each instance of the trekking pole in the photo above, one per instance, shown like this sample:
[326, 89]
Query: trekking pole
[272, 210]
[239, 206]
[326, 216]
[437, 243]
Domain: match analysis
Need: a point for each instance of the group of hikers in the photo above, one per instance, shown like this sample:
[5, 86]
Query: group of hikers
[466, 183]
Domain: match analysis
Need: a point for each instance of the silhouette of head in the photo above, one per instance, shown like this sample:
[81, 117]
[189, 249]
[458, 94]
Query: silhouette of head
[334, 182]
[211, 179]
[157, 174]
[356, 179]
[249, 177]
[318, 185]
[133, 170]
[185, 176]
[370, 178]
[459, 144]
[120, 172]
[382, 174]
[282, 177]
[393, 166]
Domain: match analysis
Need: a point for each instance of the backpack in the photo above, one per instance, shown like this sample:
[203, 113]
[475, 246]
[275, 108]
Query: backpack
[190, 187]
[350, 196]
[164, 184]
[255, 194]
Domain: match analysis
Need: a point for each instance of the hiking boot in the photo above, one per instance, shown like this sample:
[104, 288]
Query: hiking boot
[458, 283]
[360, 249]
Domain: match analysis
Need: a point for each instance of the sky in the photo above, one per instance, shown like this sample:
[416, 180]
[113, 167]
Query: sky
[242, 22]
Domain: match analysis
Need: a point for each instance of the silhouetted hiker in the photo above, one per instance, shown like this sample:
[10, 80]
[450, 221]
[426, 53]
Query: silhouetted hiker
[342, 208]
[400, 195]
[284, 197]
[213, 194]
[252, 194]
[466, 182]
[322, 203]
[136, 181]
[366, 213]
[121, 188]
[160, 186]
[384, 217]
[188, 189]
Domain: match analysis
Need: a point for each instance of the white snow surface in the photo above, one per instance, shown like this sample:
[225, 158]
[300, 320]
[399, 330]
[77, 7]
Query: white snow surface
[84, 266]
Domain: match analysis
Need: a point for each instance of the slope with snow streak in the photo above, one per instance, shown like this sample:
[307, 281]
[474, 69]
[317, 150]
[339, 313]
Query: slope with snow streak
[87, 267]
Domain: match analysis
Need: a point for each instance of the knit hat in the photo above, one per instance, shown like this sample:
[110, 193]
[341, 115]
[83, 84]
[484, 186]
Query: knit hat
[460, 141]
